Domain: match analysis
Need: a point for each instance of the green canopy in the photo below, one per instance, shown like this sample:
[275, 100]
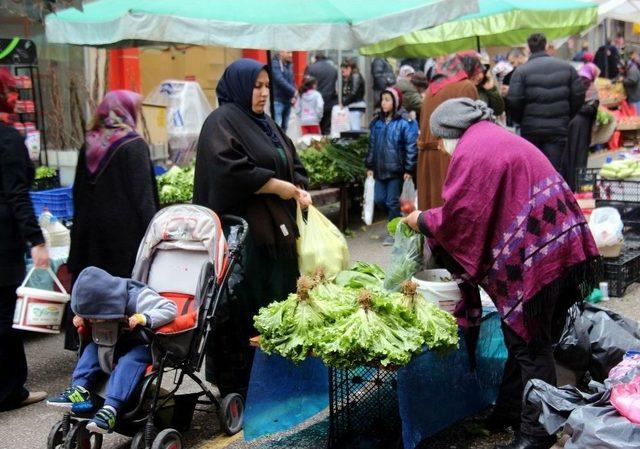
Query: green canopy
[277, 24]
[499, 22]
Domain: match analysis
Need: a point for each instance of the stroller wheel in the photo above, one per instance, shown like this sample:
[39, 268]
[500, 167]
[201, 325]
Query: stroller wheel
[80, 438]
[168, 439]
[137, 442]
[232, 413]
[55, 440]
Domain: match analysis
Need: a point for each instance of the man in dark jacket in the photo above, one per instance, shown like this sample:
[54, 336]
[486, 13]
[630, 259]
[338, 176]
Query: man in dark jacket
[544, 95]
[19, 230]
[327, 75]
[283, 87]
[383, 77]
[607, 58]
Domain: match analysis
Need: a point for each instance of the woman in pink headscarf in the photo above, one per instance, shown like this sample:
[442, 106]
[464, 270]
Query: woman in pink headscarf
[114, 192]
[588, 73]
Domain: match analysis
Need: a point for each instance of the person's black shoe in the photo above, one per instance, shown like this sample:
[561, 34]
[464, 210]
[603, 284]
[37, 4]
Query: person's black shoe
[523, 441]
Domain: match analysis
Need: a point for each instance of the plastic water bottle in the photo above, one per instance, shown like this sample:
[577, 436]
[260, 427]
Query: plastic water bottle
[604, 289]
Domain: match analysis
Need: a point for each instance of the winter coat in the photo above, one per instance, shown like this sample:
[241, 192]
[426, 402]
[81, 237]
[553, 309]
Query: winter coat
[112, 210]
[411, 98]
[310, 108]
[353, 89]
[493, 99]
[576, 153]
[282, 81]
[632, 83]
[607, 59]
[19, 227]
[99, 296]
[383, 77]
[432, 162]
[392, 146]
[327, 76]
[544, 95]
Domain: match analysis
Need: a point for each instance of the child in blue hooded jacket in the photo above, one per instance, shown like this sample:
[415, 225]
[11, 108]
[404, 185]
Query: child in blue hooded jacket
[99, 297]
[393, 154]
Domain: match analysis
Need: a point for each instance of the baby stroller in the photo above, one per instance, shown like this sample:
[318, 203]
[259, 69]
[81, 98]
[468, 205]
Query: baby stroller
[185, 257]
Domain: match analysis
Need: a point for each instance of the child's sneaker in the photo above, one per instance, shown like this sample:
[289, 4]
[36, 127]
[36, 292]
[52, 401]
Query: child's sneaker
[70, 397]
[104, 421]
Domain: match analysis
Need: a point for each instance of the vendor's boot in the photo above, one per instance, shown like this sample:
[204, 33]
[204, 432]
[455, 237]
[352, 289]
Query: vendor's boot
[497, 422]
[524, 441]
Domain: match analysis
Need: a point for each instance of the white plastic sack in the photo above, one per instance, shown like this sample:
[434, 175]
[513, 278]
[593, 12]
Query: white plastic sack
[368, 205]
[606, 226]
[408, 197]
[340, 121]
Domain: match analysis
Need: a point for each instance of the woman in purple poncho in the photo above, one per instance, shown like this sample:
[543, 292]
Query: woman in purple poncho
[511, 225]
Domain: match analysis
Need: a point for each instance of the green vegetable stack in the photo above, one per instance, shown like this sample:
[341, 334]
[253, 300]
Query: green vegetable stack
[627, 168]
[333, 163]
[45, 172]
[176, 185]
[603, 117]
[349, 327]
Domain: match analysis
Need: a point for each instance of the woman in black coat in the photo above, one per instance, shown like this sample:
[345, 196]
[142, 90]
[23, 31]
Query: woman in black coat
[114, 192]
[248, 167]
[19, 230]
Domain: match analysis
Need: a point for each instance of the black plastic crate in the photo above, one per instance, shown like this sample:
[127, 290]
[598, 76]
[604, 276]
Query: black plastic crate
[621, 191]
[363, 405]
[623, 270]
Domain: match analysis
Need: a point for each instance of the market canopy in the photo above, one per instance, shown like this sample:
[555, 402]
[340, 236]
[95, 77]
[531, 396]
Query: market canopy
[266, 24]
[625, 10]
[498, 22]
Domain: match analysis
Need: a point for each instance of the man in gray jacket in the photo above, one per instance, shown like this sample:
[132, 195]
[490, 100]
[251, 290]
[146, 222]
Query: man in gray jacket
[631, 80]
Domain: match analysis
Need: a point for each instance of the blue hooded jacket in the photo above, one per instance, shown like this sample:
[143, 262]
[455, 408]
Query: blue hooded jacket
[98, 295]
[392, 146]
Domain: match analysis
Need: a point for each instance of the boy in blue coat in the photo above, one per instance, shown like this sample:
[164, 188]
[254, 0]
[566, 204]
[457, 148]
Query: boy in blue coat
[99, 297]
[393, 154]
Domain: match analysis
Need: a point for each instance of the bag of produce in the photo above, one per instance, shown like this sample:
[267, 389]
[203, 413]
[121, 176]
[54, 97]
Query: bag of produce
[339, 120]
[606, 226]
[320, 245]
[406, 255]
[368, 205]
[408, 197]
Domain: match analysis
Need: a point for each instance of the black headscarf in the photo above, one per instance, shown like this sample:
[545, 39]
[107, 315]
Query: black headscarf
[236, 86]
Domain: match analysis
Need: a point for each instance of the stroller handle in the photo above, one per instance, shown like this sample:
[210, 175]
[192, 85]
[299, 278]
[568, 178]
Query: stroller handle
[237, 221]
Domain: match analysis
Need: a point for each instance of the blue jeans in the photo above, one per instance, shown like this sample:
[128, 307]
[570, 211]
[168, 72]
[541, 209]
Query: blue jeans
[387, 196]
[127, 373]
[283, 110]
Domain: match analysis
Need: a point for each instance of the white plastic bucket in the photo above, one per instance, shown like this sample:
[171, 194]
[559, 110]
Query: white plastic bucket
[438, 286]
[40, 310]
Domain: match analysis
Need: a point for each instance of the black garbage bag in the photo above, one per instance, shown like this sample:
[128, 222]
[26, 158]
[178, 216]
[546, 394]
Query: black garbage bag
[611, 336]
[573, 350]
[588, 418]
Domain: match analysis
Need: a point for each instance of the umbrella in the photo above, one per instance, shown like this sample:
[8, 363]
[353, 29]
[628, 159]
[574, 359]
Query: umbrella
[624, 10]
[498, 22]
[281, 24]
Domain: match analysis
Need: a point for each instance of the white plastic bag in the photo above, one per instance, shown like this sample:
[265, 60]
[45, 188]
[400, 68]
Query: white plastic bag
[606, 226]
[368, 205]
[340, 121]
[408, 197]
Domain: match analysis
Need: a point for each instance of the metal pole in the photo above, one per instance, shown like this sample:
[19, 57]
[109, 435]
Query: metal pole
[478, 43]
[272, 105]
[340, 77]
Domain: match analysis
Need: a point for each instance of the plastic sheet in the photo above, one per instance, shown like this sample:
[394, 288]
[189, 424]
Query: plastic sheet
[447, 380]
[282, 394]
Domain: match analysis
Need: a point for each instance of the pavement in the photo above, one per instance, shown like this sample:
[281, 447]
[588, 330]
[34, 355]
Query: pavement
[50, 367]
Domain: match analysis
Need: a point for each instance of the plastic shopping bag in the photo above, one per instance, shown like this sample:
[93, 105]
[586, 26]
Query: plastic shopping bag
[406, 256]
[606, 226]
[340, 121]
[368, 205]
[320, 244]
[408, 197]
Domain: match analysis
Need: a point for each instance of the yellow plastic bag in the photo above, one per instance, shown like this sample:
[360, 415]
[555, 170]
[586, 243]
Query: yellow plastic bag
[320, 244]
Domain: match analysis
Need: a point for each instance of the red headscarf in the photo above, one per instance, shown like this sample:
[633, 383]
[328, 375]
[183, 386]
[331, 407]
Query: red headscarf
[7, 98]
[460, 66]
[114, 122]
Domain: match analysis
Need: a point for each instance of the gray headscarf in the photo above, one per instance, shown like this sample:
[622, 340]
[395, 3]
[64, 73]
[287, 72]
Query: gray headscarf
[452, 118]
